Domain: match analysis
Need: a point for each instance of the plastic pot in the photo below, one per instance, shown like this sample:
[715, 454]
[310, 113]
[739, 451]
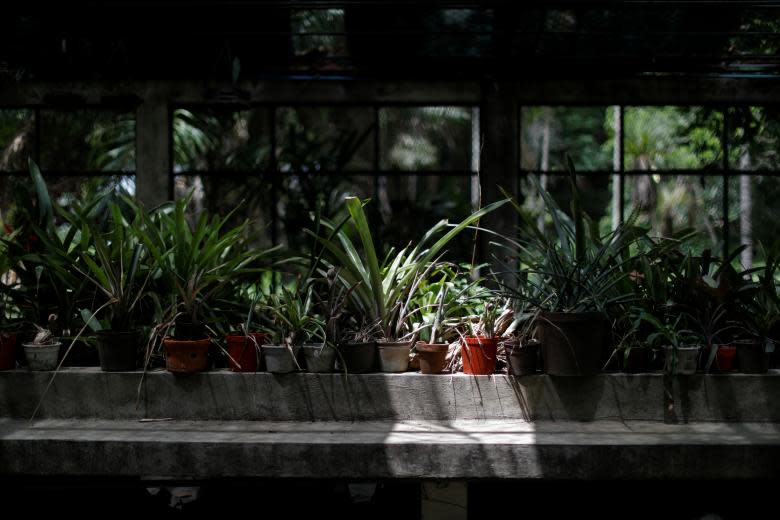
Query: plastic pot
[725, 358]
[279, 359]
[393, 355]
[479, 355]
[572, 342]
[522, 357]
[42, 357]
[186, 356]
[8, 342]
[432, 357]
[357, 358]
[682, 360]
[753, 358]
[118, 351]
[244, 351]
[320, 359]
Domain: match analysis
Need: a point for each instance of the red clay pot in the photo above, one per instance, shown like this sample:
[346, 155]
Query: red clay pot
[186, 356]
[432, 357]
[244, 354]
[725, 358]
[7, 350]
[479, 355]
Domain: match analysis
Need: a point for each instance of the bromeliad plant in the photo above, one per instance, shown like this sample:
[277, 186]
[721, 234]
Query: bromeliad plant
[383, 291]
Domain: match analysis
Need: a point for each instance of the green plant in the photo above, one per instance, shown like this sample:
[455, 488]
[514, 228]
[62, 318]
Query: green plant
[293, 317]
[383, 291]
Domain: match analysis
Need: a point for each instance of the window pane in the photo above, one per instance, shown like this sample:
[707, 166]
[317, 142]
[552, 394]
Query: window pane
[672, 138]
[547, 134]
[319, 33]
[221, 139]
[17, 139]
[672, 203]
[754, 138]
[325, 139]
[753, 214]
[87, 140]
[426, 138]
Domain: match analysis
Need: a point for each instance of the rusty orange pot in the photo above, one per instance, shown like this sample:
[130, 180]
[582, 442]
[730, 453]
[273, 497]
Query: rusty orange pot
[186, 356]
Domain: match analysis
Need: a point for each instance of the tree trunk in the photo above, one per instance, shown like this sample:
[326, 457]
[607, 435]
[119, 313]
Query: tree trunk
[617, 180]
[745, 211]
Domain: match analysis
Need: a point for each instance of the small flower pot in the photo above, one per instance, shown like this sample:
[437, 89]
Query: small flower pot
[522, 357]
[42, 357]
[357, 358]
[479, 355]
[572, 342]
[8, 342]
[753, 358]
[320, 359]
[244, 352]
[118, 351]
[393, 355]
[682, 361]
[432, 357]
[186, 356]
[725, 358]
[281, 359]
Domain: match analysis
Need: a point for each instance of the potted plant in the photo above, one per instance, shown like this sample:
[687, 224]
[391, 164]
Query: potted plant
[521, 347]
[295, 324]
[432, 354]
[383, 292]
[194, 268]
[43, 351]
[681, 346]
[479, 347]
[321, 357]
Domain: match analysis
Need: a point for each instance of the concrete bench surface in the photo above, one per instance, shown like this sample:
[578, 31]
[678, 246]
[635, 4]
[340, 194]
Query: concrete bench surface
[224, 395]
[466, 449]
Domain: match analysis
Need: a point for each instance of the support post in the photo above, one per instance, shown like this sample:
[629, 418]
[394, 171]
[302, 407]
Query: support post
[153, 155]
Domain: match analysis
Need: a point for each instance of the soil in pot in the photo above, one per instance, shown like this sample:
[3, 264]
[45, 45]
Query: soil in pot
[637, 360]
[522, 357]
[479, 355]
[42, 357]
[8, 342]
[432, 357]
[393, 356]
[186, 356]
[572, 342]
[682, 361]
[244, 351]
[320, 359]
[279, 359]
[118, 351]
[356, 358]
[725, 358]
[752, 356]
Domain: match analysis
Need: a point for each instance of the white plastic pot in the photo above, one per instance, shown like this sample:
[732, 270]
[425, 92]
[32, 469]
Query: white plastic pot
[279, 359]
[42, 357]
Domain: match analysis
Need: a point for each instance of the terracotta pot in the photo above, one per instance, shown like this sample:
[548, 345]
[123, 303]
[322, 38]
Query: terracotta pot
[572, 342]
[393, 356]
[479, 355]
[683, 360]
[320, 359]
[725, 358]
[432, 357]
[8, 343]
[522, 358]
[118, 351]
[753, 358]
[186, 356]
[359, 358]
[42, 357]
[244, 351]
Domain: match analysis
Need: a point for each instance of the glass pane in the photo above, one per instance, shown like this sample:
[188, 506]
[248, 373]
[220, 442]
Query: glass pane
[17, 139]
[754, 138]
[325, 139]
[426, 138]
[87, 140]
[221, 139]
[547, 134]
[753, 214]
[319, 32]
[672, 138]
[250, 198]
[672, 203]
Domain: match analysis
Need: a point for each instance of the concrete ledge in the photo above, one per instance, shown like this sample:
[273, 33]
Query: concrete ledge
[223, 395]
[384, 449]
